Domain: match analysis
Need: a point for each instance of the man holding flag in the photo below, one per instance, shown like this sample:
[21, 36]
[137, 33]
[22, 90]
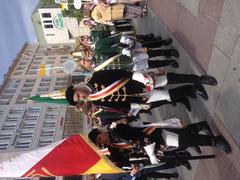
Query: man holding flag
[72, 156]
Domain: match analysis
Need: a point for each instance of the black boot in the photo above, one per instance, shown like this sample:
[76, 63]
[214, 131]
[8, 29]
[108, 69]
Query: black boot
[186, 164]
[162, 52]
[201, 126]
[197, 149]
[221, 143]
[210, 80]
[200, 90]
[186, 103]
[162, 63]
[172, 52]
[167, 41]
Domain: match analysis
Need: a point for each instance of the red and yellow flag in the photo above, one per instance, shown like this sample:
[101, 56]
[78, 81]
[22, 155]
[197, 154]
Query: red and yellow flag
[72, 156]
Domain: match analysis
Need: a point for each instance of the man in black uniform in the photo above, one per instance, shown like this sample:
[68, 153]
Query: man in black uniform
[129, 90]
[181, 138]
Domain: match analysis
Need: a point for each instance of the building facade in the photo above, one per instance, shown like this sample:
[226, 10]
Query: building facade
[25, 125]
[52, 27]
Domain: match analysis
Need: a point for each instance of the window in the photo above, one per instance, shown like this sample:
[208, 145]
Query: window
[33, 72]
[23, 63]
[51, 116]
[12, 118]
[64, 57]
[60, 83]
[34, 67]
[26, 90]
[3, 146]
[50, 34]
[58, 88]
[29, 125]
[38, 58]
[44, 15]
[46, 26]
[53, 108]
[46, 79]
[44, 142]
[26, 134]
[5, 135]
[4, 101]
[36, 62]
[47, 132]
[47, 21]
[12, 85]
[22, 144]
[30, 81]
[31, 117]
[15, 111]
[47, 84]
[7, 96]
[28, 85]
[9, 90]
[1, 113]
[34, 110]
[50, 62]
[49, 124]
[62, 79]
[8, 126]
[43, 89]
[20, 68]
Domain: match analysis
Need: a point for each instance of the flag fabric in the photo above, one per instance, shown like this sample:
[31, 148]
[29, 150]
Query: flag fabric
[47, 100]
[54, 97]
[75, 155]
[44, 70]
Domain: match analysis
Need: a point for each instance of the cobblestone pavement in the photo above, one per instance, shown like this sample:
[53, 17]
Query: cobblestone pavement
[206, 33]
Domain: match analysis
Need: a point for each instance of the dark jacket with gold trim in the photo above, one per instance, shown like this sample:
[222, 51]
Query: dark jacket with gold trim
[121, 98]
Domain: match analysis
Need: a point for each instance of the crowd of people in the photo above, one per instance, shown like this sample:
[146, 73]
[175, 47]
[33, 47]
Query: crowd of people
[128, 78]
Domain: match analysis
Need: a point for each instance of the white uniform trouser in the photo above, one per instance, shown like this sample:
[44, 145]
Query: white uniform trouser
[158, 95]
[170, 138]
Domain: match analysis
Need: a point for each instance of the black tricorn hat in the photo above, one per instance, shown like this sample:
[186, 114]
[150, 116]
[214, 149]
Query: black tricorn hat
[93, 135]
[69, 95]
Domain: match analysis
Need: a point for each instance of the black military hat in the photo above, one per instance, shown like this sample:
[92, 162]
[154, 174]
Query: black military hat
[69, 95]
[93, 135]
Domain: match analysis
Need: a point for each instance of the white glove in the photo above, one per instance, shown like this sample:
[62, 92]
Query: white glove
[150, 152]
[146, 79]
[123, 40]
[127, 40]
[127, 52]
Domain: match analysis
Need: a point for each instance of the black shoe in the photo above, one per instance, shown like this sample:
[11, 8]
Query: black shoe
[186, 164]
[201, 91]
[172, 52]
[174, 175]
[186, 103]
[221, 143]
[174, 64]
[205, 79]
[184, 153]
[193, 92]
[197, 149]
[167, 42]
